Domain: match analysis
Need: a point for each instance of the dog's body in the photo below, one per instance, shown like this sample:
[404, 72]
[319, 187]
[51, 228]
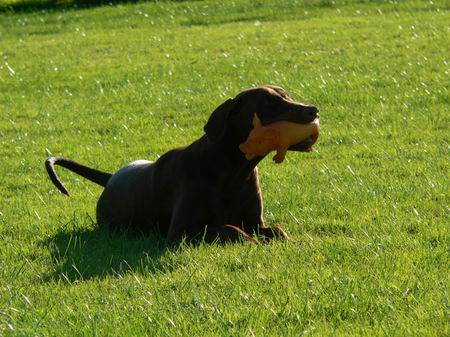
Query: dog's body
[206, 190]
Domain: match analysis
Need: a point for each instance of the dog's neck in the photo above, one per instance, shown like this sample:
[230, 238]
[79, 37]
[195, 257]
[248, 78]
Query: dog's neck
[227, 154]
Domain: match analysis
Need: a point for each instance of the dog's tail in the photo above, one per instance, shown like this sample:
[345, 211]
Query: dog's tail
[93, 175]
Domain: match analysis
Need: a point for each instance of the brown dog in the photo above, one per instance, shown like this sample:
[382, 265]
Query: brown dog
[206, 190]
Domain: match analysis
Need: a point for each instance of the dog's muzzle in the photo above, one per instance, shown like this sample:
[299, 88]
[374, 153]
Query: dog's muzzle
[306, 145]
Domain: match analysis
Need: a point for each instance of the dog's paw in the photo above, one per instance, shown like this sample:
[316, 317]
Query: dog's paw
[280, 233]
[269, 233]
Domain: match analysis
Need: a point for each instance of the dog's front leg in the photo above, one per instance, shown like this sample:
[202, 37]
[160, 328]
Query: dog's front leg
[253, 223]
[251, 212]
[257, 227]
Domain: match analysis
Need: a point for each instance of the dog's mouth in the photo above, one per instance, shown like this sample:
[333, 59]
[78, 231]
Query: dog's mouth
[307, 144]
[280, 136]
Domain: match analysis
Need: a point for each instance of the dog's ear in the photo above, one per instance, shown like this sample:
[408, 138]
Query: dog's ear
[216, 127]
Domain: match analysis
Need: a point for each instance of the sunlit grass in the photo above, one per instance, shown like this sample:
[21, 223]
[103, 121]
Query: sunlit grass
[367, 211]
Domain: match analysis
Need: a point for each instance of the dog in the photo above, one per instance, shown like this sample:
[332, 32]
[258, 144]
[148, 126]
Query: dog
[207, 190]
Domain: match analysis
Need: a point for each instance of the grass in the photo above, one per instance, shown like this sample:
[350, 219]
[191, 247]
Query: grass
[367, 212]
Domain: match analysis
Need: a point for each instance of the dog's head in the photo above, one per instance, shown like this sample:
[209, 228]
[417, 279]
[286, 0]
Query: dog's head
[232, 120]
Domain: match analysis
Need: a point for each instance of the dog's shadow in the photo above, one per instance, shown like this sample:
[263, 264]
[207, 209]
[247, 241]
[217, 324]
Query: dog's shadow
[83, 254]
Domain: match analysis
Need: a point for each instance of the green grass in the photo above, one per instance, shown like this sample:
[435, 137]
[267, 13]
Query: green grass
[368, 211]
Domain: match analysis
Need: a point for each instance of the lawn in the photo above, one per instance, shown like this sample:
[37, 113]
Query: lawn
[367, 211]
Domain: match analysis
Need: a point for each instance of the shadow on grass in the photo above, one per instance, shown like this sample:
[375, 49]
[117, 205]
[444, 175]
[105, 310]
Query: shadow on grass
[83, 254]
[26, 6]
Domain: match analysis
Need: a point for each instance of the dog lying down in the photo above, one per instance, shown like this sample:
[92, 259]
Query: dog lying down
[209, 189]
